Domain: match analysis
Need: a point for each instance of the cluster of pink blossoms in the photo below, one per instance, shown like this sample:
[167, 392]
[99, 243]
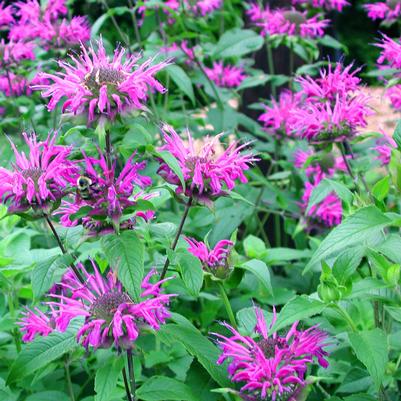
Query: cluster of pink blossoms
[390, 57]
[208, 169]
[107, 199]
[111, 316]
[329, 210]
[99, 86]
[383, 148]
[228, 76]
[333, 106]
[6, 15]
[49, 25]
[41, 178]
[277, 115]
[290, 22]
[326, 4]
[388, 11]
[272, 367]
[214, 261]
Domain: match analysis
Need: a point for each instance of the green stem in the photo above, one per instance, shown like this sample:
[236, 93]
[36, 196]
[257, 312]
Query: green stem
[177, 236]
[123, 36]
[108, 150]
[227, 304]
[126, 385]
[270, 64]
[131, 373]
[68, 378]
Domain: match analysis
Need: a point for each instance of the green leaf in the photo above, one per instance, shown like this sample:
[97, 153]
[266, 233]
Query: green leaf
[370, 347]
[329, 41]
[198, 346]
[42, 351]
[381, 188]
[191, 272]
[397, 134]
[298, 308]
[326, 187]
[107, 376]
[181, 79]
[363, 227]
[237, 43]
[254, 247]
[160, 388]
[47, 272]
[48, 396]
[172, 162]
[125, 253]
[261, 271]
[279, 255]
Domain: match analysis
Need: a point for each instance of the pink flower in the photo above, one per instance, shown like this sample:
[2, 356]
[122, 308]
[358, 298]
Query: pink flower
[329, 211]
[111, 316]
[6, 15]
[287, 22]
[182, 47]
[100, 86]
[14, 85]
[326, 4]
[333, 106]
[205, 7]
[394, 94]
[14, 52]
[35, 322]
[213, 260]
[388, 10]
[75, 31]
[271, 366]
[109, 201]
[384, 147]
[208, 169]
[39, 179]
[391, 52]
[277, 115]
[228, 76]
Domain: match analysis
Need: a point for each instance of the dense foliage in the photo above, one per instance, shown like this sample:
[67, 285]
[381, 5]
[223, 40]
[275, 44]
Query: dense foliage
[158, 241]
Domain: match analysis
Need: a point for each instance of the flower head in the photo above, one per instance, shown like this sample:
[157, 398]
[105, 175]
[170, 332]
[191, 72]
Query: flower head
[388, 10]
[35, 322]
[390, 54]
[290, 22]
[228, 76]
[40, 178]
[98, 85]
[111, 316]
[214, 260]
[208, 169]
[14, 52]
[14, 85]
[272, 367]
[109, 200]
[333, 106]
[326, 4]
[205, 7]
[6, 15]
[276, 118]
[384, 147]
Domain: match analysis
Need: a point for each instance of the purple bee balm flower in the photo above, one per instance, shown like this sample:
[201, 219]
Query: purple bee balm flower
[14, 85]
[111, 316]
[6, 15]
[388, 10]
[326, 4]
[100, 86]
[208, 169]
[213, 260]
[14, 52]
[205, 7]
[228, 76]
[288, 22]
[39, 179]
[35, 322]
[394, 94]
[277, 115]
[333, 106]
[110, 200]
[272, 367]
[75, 31]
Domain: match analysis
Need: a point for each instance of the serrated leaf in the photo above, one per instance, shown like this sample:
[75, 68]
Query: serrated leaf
[106, 378]
[363, 227]
[160, 388]
[370, 347]
[261, 271]
[191, 272]
[42, 351]
[298, 308]
[125, 253]
[181, 79]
